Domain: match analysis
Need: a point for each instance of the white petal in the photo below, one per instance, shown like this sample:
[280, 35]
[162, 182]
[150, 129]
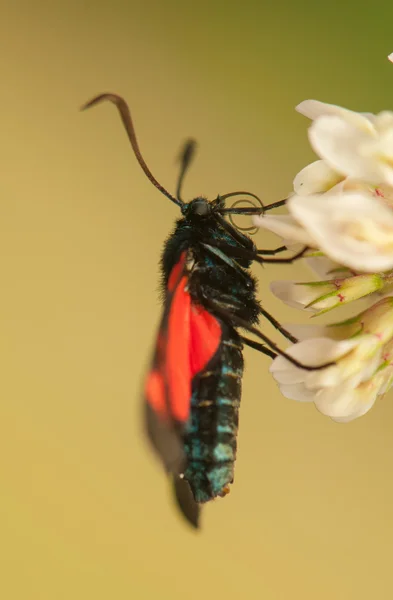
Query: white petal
[295, 295]
[316, 177]
[326, 268]
[351, 417]
[297, 392]
[338, 141]
[369, 116]
[387, 383]
[306, 332]
[357, 364]
[285, 372]
[381, 153]
[370, 366]
[363, 406]
[383, 121]
[346, 402]
[313, 353]
[325, 378]
[353, 229]
[351, 184]
[334, 332]
[336, 401]
[343, 419]
[358, 359]
[390, 57]
[284, 226]
[313, 109]
[289, 376]
[384, 379]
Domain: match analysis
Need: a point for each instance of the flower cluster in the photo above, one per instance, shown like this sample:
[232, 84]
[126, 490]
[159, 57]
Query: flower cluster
[342, 210]
[362, 352]
[342, 203]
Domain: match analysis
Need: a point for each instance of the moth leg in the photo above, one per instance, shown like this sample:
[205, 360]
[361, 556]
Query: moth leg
[257, 346]
[242, 251]
[224, 255]
[249, 253]
[275, 205]
[272, 252]
[277, 325]
[282, 261]
[236, 252]
[235, 321]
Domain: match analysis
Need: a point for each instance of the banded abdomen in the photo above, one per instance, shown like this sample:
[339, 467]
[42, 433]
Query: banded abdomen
[210, 439]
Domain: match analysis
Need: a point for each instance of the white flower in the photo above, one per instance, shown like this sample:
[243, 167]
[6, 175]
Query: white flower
[353, 144]
[353, 228]
[355, 358]
[363, 366]
[342, 210]
[332, 388]
[390, 57]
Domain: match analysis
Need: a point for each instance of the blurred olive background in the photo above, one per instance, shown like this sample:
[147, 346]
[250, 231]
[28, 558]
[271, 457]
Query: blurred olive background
[85, 509]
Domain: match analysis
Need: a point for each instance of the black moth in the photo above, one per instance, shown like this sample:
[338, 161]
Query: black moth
[193, 388]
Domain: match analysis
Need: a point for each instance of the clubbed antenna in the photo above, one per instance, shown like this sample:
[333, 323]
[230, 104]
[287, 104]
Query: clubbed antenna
[185, 159]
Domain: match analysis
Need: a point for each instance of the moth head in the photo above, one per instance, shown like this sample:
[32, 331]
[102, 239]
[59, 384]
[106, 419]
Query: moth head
[199, 208]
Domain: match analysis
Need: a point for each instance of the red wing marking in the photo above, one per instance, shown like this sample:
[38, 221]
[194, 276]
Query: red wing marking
[205, 337]
[188, 338]
[176, 273]
[177, 360]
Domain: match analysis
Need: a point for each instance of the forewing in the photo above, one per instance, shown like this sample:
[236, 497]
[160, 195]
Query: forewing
[188, 338]
[167, 386]
[185, 501]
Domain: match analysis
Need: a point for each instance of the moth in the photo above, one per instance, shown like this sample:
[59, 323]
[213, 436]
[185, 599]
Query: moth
[192, 390]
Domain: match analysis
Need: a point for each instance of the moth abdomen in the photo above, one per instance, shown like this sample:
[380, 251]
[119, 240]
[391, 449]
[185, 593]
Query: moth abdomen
[210, 439]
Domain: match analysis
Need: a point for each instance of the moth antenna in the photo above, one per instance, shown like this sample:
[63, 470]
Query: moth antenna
[125, 115]
[186, 157]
